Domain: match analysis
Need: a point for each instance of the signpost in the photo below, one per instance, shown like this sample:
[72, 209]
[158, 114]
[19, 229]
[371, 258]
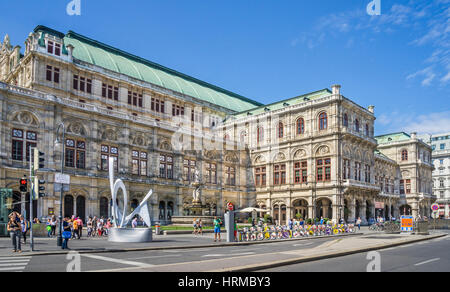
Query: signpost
[407, 223]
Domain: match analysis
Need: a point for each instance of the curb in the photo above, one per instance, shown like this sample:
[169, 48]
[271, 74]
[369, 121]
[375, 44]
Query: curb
[178, 247]
[257, 267]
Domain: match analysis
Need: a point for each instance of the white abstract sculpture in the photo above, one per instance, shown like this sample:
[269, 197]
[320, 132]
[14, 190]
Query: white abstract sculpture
[120, 218]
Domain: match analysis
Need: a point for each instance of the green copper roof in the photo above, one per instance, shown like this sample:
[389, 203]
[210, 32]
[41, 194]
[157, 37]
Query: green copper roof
[395, 137]
[287, 102]
[99, 54]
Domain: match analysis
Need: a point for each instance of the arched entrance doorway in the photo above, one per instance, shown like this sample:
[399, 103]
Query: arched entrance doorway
[104, 207]
[405, 210]
[162, 210]
[300, 209]
[81, 208]
[324, 208]
[68, 206]
[276, 213]
[170, 207]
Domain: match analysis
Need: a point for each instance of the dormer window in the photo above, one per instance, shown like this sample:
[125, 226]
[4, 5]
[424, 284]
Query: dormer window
[54, 48]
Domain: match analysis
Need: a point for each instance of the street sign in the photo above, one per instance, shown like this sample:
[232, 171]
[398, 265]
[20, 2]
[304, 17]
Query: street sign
[407, 223]
[57, 188]
[435, 207]
[230, 206]
[62, 178]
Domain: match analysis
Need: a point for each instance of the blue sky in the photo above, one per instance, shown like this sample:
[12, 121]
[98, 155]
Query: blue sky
[269, 50]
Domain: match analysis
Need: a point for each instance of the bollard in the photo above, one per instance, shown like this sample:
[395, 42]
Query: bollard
[157, 229]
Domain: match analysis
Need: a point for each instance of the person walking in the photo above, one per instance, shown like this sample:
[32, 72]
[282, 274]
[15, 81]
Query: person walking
[48, 226]
[53, 225]
[200, 227]
[25, 224]
[217, 222]
[358, 222]
[14, 229]
[194, 223]
[80, 227]
[74, 227]
[134, 223]
[67, 233]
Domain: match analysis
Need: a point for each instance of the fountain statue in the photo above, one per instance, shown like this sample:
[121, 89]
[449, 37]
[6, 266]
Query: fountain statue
[120, 232]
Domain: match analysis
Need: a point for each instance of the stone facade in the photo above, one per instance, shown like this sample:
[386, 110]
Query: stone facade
[327, 165]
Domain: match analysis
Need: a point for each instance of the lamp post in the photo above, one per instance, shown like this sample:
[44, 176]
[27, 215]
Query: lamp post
[62, 142]
[313, 189]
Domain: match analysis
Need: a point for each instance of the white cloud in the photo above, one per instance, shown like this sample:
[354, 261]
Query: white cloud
[432, 123]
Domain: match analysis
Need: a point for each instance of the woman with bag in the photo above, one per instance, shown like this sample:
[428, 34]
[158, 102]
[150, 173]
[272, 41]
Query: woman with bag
[14, 229]
[67, 234]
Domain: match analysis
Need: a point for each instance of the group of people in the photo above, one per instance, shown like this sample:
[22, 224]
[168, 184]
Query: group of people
[217, 222]
[17, 227]
[198, 226]
[98, 226]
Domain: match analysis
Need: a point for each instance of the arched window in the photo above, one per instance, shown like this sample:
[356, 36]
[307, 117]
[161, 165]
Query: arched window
[357, 125]
[345, 121]
[300, 126]
[259, 134]
[280, 130]
[404, 155]
[323, 121]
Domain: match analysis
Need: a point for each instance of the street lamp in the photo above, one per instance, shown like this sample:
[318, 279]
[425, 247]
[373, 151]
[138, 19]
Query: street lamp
[313, 195]
[62, 142]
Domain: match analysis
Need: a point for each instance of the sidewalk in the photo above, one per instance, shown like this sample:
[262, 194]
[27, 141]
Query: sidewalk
[339, 247]
[47, 246]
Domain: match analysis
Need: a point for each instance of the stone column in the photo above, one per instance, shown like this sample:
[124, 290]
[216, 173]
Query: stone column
[363, 212]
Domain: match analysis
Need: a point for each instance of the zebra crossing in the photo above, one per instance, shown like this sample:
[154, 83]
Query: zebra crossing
[13, 264]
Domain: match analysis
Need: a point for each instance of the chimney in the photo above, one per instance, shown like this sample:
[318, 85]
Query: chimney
[70, 49]
[336, 89]
[371, 109]
[414, 135]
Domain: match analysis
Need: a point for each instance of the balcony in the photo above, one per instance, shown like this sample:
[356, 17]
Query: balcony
[354, 184]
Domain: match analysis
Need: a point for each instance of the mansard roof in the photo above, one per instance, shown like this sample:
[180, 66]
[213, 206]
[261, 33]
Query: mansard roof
[287, 102]
[110, 58]
[394, 137]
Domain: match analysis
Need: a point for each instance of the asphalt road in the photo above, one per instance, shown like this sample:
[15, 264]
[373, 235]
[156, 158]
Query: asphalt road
[426, 256]
[118, 260]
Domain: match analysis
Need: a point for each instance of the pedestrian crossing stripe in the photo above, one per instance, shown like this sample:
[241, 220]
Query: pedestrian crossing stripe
[13, 264]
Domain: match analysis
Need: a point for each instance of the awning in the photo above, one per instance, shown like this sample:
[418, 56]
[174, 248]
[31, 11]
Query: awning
[250, 209]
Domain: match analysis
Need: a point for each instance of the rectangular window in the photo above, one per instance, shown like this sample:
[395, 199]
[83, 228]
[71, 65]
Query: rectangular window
[75, 154]
[19, 141]
[188, 169]
[52, 74]
[300, 172]
[279, 174]
[82, 84]
[139, 162]
[230, 173]
[135, 99]
[211, 173]
[323, 169]
[165, 166]
[106, 153]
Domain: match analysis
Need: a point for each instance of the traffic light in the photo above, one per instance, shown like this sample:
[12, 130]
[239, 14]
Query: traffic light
[23, 185]
[38, 159]
[39, 188]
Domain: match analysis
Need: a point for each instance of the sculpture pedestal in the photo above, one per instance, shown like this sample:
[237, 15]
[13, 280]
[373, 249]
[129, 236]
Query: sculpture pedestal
[130, 235]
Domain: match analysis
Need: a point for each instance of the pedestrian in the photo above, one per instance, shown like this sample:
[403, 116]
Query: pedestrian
[99, 228]
[53, 224]
[89, 227]
[25, 224]
[358, 222]
[235, 230]
[134, 223]
[194, 223]
[48, 226]
[200, 227]
[15, 230]
[80, 227]
[290, 224]
[75, 227]
[217, 222]
[67, 233]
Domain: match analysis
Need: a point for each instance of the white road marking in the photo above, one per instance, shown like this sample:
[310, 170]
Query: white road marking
[184, 250]
[302, 244]
[426, 262]
[14, 263]
[153, 257]
[12, 269]
[230, 254]
[119, 261]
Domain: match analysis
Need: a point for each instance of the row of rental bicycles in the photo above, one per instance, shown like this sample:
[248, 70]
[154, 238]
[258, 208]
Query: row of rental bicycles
[298, 231]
